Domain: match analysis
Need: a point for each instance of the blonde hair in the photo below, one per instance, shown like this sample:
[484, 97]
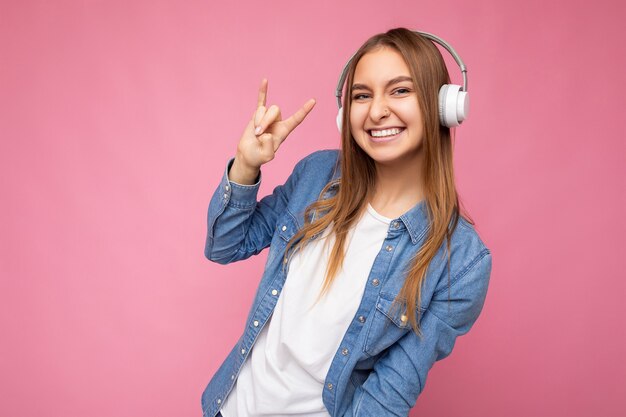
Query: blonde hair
[343, 209]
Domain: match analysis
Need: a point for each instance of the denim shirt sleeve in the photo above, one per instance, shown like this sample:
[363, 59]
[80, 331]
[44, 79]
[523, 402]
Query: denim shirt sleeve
[399, 376]
[237, 225]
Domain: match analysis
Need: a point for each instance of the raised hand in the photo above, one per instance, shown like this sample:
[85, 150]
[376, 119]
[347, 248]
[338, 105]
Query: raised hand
[262, 137]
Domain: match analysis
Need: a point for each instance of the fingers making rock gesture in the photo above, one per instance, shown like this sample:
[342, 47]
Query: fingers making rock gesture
[262, 137]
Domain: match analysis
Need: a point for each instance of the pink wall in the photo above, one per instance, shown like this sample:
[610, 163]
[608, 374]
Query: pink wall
[116, 119]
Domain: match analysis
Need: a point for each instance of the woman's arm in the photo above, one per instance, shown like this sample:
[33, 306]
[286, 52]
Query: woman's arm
[399, 376]
[238, 226]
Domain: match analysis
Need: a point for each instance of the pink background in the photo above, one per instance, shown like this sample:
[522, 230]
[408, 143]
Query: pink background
[116, 120]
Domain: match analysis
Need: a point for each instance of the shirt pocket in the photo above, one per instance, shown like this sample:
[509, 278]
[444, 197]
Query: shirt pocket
[388, 324]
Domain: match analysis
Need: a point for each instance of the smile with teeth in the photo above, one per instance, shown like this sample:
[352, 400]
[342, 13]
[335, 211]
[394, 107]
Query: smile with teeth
[385, 132]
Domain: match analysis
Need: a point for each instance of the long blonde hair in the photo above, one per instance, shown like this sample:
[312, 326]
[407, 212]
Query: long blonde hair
[358, 173]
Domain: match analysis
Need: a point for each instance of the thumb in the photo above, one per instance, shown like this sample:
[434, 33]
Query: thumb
[267, 144]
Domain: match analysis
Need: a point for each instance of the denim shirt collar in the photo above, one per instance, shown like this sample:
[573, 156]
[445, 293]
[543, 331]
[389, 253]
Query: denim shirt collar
[416, 221]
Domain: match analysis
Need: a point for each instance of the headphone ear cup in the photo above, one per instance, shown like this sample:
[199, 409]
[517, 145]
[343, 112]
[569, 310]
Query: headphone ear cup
[339, 119]
[453, 105]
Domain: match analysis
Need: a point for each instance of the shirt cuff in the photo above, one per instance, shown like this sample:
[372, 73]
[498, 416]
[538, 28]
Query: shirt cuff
[239, 195]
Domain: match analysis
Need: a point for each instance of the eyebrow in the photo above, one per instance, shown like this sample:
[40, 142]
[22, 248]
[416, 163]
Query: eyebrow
[390, 82]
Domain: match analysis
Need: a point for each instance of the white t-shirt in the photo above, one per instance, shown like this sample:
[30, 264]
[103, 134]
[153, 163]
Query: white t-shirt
[285, 372]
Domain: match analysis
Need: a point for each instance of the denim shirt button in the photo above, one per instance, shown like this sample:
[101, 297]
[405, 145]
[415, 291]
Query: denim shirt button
[232, 377]
[329, 386]
[389, 248]
[227, 187]
[274, 292]
[375, 282]
[283, 228]
[243, 351]
[219, 401]
[395, 224]
[344, 351]
[225, 195]
[255, 323]
[362, 319]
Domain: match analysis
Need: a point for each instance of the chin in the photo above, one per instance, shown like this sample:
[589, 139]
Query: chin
[385, 156]
[389, 154]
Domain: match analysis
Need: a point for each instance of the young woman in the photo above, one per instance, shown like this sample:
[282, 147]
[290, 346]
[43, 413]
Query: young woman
[372, 270]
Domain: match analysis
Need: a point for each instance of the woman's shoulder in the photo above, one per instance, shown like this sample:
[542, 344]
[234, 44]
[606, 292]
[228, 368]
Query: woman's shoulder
[324, 159]
[309, 178]
[466, 237]
[318, 168]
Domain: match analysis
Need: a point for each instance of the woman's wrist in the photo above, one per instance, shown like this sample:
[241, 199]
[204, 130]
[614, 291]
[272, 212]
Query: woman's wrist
[242, 173]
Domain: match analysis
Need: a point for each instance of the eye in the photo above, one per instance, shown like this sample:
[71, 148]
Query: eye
[359, 96]
[401, 91]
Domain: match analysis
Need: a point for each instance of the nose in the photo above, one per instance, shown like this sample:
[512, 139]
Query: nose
[379, 109]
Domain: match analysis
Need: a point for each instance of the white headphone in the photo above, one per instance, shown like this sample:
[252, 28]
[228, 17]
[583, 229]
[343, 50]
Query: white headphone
[453, 99]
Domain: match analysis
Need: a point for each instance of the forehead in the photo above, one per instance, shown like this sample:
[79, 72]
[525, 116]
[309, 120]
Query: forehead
[381, 64]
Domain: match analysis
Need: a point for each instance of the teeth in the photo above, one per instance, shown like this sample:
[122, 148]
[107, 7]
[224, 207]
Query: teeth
[385, 132]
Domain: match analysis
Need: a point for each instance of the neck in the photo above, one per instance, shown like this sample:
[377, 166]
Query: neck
[399, 185]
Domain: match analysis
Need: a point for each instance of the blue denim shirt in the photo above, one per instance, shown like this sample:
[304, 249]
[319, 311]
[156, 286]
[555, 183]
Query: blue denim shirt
[381, 365]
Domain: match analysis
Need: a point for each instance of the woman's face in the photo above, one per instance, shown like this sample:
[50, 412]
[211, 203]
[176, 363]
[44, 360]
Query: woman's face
[385, 118]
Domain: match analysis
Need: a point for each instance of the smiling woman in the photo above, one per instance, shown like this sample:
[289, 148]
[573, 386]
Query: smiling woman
[373, 271]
